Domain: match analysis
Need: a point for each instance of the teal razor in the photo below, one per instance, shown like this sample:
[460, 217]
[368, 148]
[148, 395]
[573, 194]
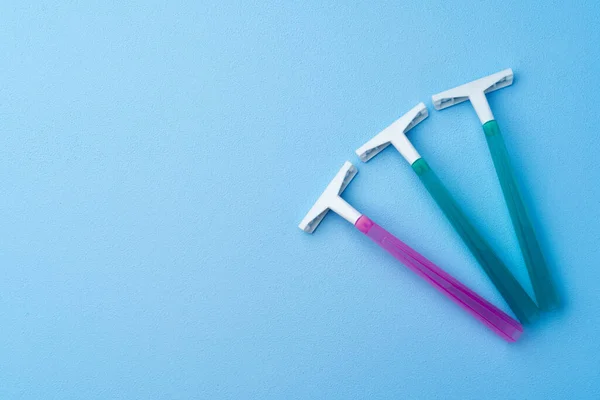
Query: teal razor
[541, 280]
[510, 289]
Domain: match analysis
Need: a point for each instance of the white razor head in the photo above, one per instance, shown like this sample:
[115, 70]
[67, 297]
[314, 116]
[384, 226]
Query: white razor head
[329, 198]
[395, 134]
[464, 92]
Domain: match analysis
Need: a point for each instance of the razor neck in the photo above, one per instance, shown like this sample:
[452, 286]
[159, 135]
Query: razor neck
[405, 147]
[345, 210]
[481, 106]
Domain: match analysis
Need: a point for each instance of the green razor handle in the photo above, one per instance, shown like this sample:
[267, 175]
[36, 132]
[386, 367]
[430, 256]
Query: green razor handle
[513, 293]
[545, 292]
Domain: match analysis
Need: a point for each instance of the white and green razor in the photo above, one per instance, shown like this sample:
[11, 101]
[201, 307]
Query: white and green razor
[545, 292]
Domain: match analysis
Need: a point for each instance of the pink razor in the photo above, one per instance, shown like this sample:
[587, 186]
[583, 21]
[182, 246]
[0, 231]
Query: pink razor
[495, 319]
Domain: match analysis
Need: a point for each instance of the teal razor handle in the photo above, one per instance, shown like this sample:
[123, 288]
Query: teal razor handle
[541, 281]
[513, 293]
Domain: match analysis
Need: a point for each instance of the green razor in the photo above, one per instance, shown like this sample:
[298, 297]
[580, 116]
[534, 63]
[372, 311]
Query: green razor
[513, 293]
[541, 280]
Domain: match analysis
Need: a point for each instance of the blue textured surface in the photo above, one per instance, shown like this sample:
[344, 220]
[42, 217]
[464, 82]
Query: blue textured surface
[157, 157]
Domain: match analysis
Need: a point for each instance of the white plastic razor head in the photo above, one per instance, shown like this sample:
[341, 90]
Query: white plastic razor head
[331, 200]
[475, 91]
[395, 134]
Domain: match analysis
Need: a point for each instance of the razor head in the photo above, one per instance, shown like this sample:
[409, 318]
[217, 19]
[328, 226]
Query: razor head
[395, 133]
[464, 92]
[329, 197]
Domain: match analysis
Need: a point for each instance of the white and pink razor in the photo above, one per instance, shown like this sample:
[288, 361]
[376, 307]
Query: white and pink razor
[494, 318]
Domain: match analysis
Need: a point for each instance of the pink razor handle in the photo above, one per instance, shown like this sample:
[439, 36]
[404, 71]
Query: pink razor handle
[494, 318]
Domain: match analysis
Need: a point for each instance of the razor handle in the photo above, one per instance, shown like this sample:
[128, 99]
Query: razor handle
[513, 293]
[484, 311]
[541, 280]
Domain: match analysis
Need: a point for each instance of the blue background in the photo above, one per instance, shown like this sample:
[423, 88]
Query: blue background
[156, 158]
